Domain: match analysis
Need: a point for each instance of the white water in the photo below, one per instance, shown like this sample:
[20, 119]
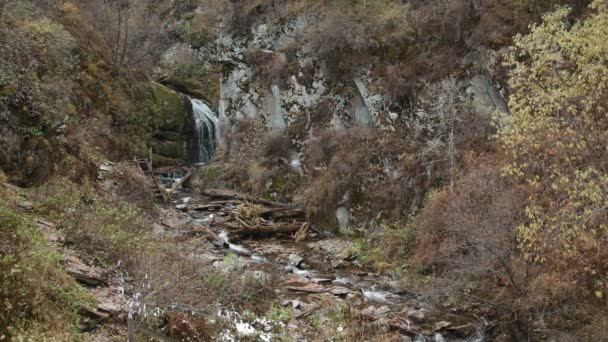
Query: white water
[206, 131]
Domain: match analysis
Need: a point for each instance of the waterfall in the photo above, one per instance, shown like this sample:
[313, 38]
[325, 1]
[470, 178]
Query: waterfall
[206, 131]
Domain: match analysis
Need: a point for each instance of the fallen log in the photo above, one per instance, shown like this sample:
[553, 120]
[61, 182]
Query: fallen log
[235, 195]
[302, 233]
[262, 230]
[181, 181]
[204, 207]
[282, 213]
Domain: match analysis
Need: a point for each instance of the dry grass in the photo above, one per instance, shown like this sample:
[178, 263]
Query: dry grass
[39, 299]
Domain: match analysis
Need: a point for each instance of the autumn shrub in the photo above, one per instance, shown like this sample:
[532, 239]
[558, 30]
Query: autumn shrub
[555, 145]
[268, 67]
[350, 32]
[184, 69]
[276, 147]
[466, 234]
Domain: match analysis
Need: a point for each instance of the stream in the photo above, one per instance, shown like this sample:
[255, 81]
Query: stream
[305, 274]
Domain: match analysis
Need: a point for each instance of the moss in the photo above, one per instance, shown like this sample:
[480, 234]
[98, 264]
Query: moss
[169, 111]
[283, 187]
[170, 149]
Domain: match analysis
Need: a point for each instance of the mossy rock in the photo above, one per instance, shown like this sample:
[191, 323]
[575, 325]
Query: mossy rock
[170, 149]
[171, 120]
[161, 161]
[170, 111]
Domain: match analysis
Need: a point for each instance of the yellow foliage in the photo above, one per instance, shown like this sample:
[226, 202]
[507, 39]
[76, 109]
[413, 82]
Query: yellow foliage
[557, 136]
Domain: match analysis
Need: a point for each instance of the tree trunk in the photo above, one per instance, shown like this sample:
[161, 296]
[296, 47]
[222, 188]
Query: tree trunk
[2, 6]
[123, 58]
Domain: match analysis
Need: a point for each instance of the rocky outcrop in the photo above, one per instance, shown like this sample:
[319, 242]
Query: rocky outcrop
[173, 127]
[271, 75]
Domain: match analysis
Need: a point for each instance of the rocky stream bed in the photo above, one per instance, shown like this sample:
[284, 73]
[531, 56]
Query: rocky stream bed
[314, 276]
[310, 271]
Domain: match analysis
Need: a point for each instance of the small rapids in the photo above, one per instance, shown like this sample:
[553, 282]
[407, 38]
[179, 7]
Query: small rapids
[322, 265]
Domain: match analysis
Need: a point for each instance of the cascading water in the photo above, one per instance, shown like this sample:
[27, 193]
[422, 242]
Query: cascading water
[206, 131]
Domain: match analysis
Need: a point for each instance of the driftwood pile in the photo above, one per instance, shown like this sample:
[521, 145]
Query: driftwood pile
[248, 216]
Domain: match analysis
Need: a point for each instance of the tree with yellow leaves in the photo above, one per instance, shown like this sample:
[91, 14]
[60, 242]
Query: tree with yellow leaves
[557, 143]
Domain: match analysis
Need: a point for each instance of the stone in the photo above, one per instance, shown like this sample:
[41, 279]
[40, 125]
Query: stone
[26, 205]
[416, 315]
[109, 307]
[310, 288]
[105, 168]
[339, 264]
[84, 274]
[294, 260]
[441, 325]
[343, 218]
[463, 330]
[339, 291]
[261, 276]
[157, 229]
[321, 280]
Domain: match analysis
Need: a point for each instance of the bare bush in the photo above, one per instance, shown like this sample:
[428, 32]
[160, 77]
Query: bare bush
[468, 233]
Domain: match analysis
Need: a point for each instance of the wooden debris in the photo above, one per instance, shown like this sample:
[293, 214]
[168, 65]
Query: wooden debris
[205, 207]
[282, 213]
[307, 313]
[268, 229]
[235, 195]
[205, 230]
[181, 182]
[310, 288]
[302, 233]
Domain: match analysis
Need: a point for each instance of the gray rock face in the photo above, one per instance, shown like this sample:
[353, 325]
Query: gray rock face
[359, 101]
[342, 217]
[485, 98]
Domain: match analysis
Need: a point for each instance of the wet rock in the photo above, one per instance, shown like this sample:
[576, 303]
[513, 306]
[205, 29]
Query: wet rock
[373, 313]
[397, 287]
[346, 254]
[438, 338]
[339, 264]
[377, 296]
[261, 276]
[416, 315]
[310, 288]
[321, 280]
[463, 330]
[339, 291]
[296, 270]
[296, 304]
[441, 325]
[238, 249]
[294, 260]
